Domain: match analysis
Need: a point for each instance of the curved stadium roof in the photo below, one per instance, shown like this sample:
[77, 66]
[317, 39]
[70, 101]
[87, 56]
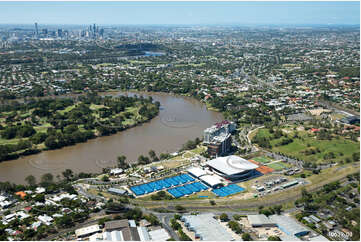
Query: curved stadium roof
[231, 165]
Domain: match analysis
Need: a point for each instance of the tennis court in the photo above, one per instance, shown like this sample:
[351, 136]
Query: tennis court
[187, 189]
[161, 184]
[262, 159]
[264, 169]
[228, 190]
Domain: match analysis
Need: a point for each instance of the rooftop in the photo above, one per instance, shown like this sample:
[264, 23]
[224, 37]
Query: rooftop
[196, 171]
[207, 227]
[212, 180]
[231, 165]
[116, 224]
[259, 220]
[289, 225]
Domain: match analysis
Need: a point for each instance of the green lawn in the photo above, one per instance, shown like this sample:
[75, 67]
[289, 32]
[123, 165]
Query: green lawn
[341, 147]
[43, 128]
[278, 166]
[96, 107]
[261, 159]
[67, 109]
[9, 141]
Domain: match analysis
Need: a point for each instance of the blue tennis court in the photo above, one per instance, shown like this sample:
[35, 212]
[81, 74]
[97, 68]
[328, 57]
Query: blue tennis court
[161, 184]
[228, 190]
[187, 189]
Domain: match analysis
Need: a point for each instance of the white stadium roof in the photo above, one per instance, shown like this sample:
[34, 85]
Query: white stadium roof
[231, 165]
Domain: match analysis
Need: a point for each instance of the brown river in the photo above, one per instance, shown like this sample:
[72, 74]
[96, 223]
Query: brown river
[180, 119]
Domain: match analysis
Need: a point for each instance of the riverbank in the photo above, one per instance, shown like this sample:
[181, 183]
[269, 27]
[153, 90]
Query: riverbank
[180, 119]
[53, 124]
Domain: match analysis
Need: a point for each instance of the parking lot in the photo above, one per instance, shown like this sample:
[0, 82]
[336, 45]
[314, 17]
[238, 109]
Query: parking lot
[275, 183]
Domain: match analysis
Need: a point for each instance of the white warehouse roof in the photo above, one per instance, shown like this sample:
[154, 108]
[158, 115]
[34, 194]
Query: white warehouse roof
[159, 235]
[87, 230]
[115, 235]
[289, 225]
[196, 171]
[206, 227]
[259, 220]
[231, 165]
[143, 234]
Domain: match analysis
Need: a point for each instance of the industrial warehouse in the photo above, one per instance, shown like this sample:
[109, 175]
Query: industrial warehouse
[206, 227]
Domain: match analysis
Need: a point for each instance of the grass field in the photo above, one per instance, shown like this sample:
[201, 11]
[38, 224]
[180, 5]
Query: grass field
[278, 166]
[67, 109]
[261, 159]
[341, 147]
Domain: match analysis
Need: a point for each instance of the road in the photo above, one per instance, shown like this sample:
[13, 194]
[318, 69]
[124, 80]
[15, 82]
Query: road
[82, 192]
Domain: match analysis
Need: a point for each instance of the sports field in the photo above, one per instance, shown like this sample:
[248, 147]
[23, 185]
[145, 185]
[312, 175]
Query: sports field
[262, 159]
[278, 166]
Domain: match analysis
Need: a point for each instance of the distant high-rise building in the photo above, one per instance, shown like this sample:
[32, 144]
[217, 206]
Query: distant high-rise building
[94, 31]
[101, 32]
[36, 30]
[44, 31]
[60, 33]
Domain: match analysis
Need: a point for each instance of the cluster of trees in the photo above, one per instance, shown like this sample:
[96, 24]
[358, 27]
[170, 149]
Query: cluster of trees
[332, 196]
[46, 180]
[223, 217]
[175, 225]
[161, 195]
[285, 141]
[121, 160]
[183, 236]
[277, 209]
[312, 151]
[56, 139]
[324, 134]
[19, 131]
[246, 237]
[235, 227]
[262, 142]
[143, 160]
[152, 219]
[68, 128]
[190, 144]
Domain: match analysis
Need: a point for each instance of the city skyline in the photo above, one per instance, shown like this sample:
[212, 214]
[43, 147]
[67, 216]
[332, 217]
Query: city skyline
[178, 13]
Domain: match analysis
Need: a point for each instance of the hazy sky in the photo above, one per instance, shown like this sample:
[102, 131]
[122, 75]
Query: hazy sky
[180, 12]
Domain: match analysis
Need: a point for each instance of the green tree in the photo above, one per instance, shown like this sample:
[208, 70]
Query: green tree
[47, 178]
[105, 178]
[356, 156]
[246, 237]
[223, 217]
[51, 142]
[68, 174]
[121, 162]
[31, 180]
[152, 155]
